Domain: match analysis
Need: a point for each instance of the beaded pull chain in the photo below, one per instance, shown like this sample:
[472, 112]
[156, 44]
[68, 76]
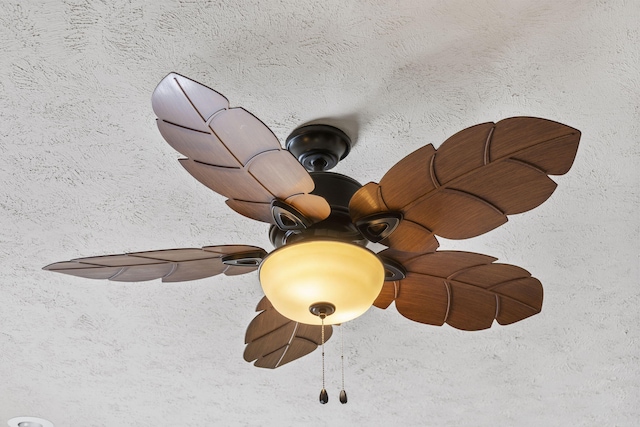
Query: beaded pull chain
[324, 396]
[343, 394]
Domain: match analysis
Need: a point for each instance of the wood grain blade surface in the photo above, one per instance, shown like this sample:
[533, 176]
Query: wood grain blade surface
[312, 206]
[273, 340]
[233, 270]
[244, 135]
[475, 179]
[367, 201]
[277, 170]
[185, 102]
[230, 150]
[387, 295]
[233, 183]
[408, 177]
[466, 290]
[170, 265]
[260, 211]
[411, 236]
[195, 144]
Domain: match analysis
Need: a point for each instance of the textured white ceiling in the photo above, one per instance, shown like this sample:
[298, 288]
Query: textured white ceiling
[84, 172]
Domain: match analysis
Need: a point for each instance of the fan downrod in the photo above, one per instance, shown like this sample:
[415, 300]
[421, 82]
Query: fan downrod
[318, 147]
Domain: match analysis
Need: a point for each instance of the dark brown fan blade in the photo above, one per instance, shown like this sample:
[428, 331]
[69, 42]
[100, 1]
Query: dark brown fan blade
[407, 235]
[473, 181]
[463, 289]
[171, 265]
[232, 152]
[273, 340]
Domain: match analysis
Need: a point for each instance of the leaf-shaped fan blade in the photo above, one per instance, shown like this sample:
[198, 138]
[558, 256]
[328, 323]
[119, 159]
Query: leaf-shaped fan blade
[274, 340]
[463, 289]
[232, 152]
[171, 265]
[475, 179]
[409, 236]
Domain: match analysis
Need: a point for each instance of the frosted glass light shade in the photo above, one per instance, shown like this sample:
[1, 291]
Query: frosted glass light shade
[298, 275]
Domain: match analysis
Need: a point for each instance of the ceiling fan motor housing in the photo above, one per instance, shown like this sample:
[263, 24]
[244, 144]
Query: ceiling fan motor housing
[337, 189]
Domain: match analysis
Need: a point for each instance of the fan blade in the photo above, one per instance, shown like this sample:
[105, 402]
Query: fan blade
[273, 340]
[474, 180]
[463, 289]
[187, 103]
[407, 235]
[171, 265]
[387, 295]
[232, 152]
[313, 206]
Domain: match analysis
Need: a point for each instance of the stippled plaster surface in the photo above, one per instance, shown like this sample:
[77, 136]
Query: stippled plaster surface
[84, 171]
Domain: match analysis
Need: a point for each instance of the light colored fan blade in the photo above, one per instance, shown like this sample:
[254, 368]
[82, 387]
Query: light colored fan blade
[233, 270]
[196, 269]
[84, 270]
[281, 173]
[142, 273]
[120, 260]
[254, 210]
[231, 249]
[185, 254]
[204, 146]
[171, 265]
[313, 207]
[244, 134]
[475, 179]
[185, 102]
[465, 290]
[233, 183]
[366, 201]
[231, 151]
[273, 340]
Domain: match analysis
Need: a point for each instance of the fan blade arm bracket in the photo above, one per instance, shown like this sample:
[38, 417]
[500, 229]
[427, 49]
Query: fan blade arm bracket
[287, 218]
[393, 270]
[379, 226]
[244, 259]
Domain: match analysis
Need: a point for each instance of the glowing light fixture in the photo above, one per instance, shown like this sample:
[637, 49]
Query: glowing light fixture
[303, 279]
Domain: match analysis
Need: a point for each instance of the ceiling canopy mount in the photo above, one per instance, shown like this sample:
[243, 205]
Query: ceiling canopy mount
[318, 147]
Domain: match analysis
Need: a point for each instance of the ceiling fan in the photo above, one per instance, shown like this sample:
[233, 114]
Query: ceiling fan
[321, 271]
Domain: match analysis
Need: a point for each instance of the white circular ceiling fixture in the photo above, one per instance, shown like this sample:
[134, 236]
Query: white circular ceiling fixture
[29, 422]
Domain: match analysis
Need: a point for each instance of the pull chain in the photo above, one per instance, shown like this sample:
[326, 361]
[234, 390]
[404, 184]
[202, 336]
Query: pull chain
[324, 396]
[343, 394]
